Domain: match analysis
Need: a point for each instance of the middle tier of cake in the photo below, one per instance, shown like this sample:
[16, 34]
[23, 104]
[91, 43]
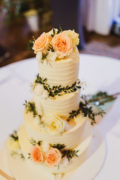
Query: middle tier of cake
[61, 105]
[71, 137]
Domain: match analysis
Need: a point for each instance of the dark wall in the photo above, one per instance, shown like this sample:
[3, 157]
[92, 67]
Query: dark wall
[67, 14]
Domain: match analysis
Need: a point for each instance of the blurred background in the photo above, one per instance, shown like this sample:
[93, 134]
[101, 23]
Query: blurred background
[97, 22]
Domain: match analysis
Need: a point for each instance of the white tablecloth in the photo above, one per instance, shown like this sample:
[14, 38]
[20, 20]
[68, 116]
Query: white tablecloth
[100, 73]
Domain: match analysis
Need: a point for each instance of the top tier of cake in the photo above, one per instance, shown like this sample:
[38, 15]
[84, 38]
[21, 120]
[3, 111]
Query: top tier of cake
[58, 57]
[62, 72]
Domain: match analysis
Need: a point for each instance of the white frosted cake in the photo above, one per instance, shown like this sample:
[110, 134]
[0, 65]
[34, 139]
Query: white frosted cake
[56, 132]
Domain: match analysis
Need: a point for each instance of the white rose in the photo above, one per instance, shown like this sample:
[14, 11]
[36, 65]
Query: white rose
[45, 94]
[79, 118]
[55, 124]
[39, 56]
[74, 36]
[67, 127]
[13, 145]
[64, 162]
[38, 89]
[51, 31]
[37, 120]
[51, 56]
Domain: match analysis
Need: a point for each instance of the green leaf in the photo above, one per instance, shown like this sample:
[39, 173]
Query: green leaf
[59, 146]
[34, 142]
[60, 29]
[30, 107]
[14, 136]
[39, 143]
[30, 45]
[54, 32]
[44, 56]
[69, 153]
[87, 110]
[22, 156]
[57, 90]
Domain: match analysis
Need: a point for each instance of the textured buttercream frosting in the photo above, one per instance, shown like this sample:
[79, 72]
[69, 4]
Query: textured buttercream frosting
[59, 131]
[60, 104]
[63, 167]
[69, 138]
[61, 72]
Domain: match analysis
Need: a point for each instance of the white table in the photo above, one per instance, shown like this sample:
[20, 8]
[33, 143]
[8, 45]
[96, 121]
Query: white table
[100, 73]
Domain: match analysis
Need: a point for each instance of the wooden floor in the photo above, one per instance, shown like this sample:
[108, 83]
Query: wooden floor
[102, 45]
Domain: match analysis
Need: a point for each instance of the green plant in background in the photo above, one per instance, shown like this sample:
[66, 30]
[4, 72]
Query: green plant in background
[15, 9]
[12, 9]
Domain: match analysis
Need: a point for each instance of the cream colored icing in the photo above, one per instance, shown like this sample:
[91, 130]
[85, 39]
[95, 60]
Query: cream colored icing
[63, 166]
[75, 135]
[69, 138]
[60, 104]
[95, 154]
[62, 72]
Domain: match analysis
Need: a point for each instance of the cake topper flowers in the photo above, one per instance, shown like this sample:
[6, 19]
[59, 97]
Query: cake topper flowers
[42, 43]
[55, 44]
[62, 44]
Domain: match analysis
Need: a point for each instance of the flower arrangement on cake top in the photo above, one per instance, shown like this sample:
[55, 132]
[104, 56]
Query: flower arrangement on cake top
[56, 44]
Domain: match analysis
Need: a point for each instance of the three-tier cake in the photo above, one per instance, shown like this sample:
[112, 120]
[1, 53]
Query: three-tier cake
[56, 133]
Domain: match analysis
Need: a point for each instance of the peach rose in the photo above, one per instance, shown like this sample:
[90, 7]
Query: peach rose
[37, 154]
[42, 42]
[62, 44]
[53, 157]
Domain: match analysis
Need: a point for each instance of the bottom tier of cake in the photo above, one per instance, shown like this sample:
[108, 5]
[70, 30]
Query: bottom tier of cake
[37, 171]
[22, 169]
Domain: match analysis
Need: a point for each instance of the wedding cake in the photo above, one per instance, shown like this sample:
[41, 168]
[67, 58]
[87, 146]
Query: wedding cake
[56, 133]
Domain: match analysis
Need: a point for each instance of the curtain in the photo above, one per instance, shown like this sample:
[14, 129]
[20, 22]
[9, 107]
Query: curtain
[98, 15]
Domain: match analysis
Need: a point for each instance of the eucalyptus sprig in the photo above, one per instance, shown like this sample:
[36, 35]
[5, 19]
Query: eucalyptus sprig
[29, 156]
[34, 142]
[14, 154]
[59, 146]
[40, 80]
[50, 48]
[69, 153]
[22, 156]
[44, 56]
[73, 114]
[60, 29]
[54, 32]
[30, 107]
[30, 45]
[14, 136]
[87, 111]
[57, 90]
